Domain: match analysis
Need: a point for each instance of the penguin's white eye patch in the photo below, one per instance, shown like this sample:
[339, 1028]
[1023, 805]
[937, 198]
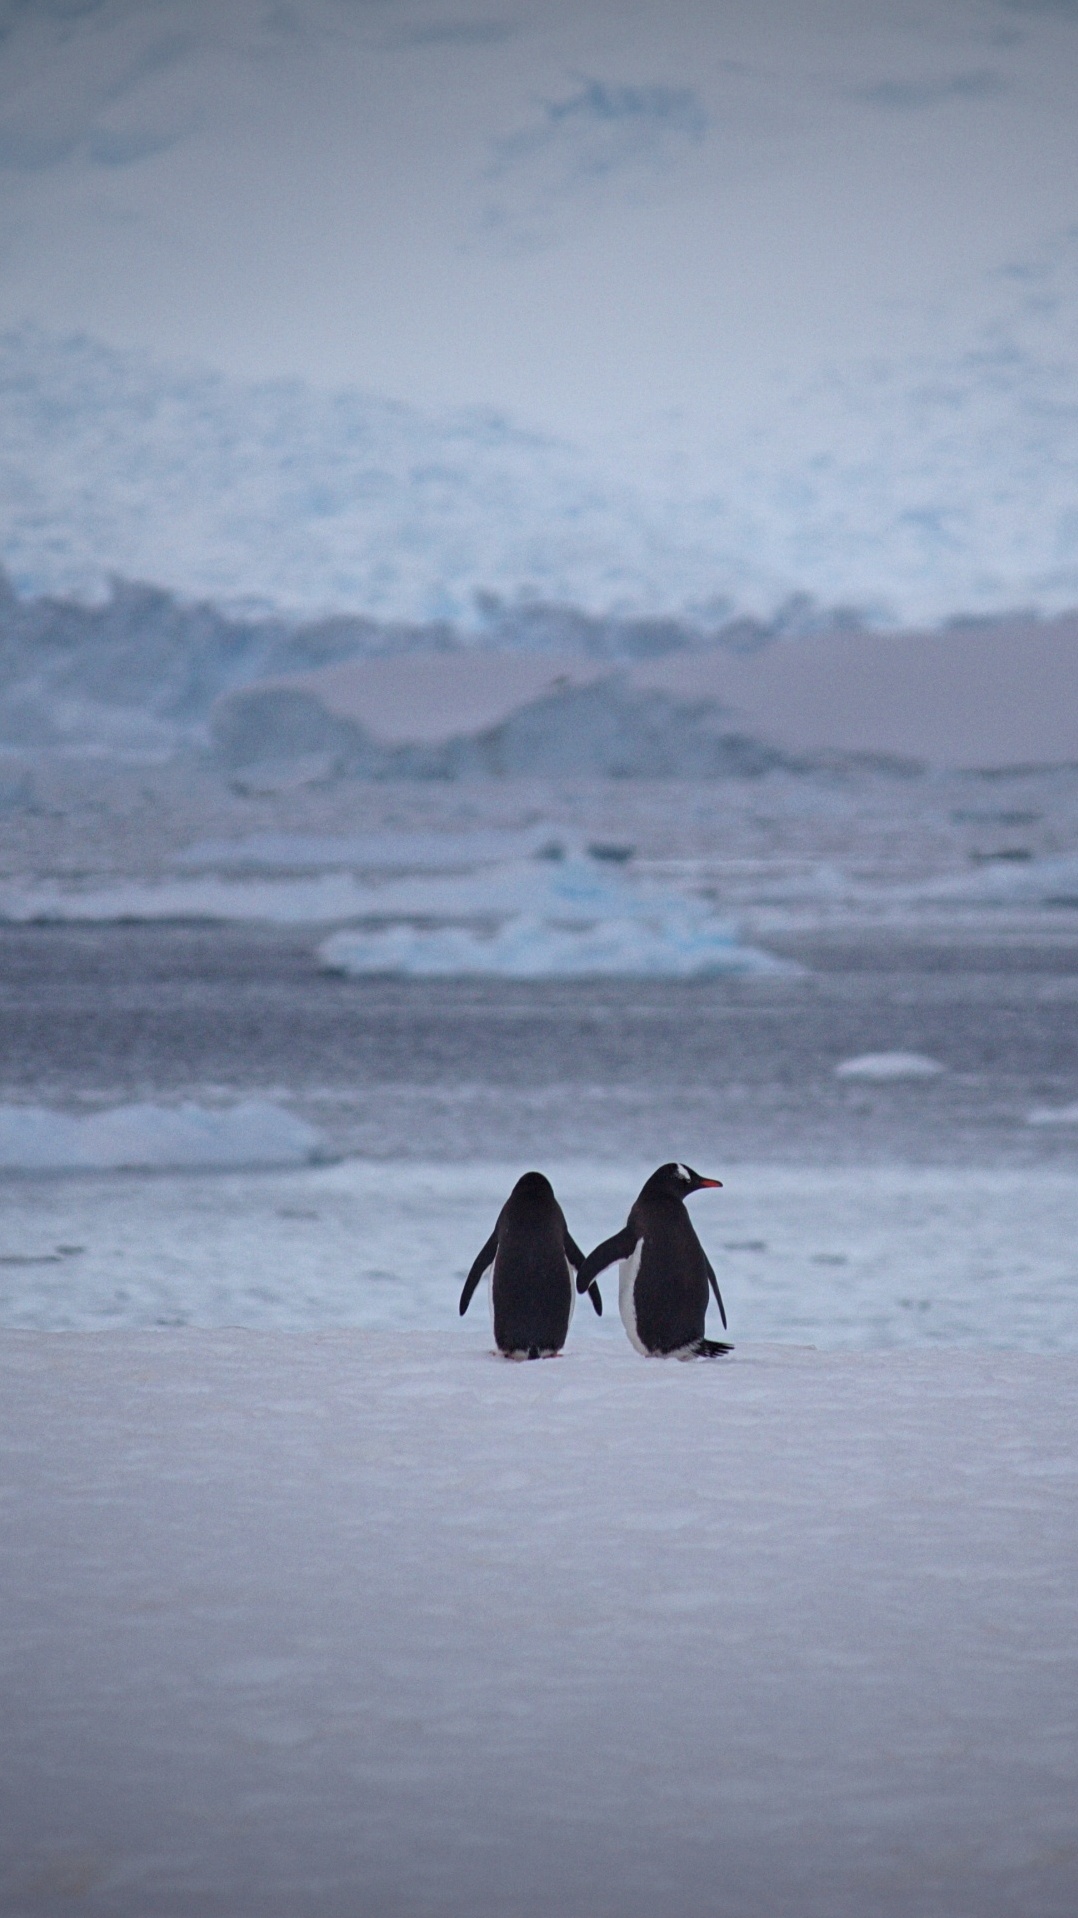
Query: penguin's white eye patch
[682, 1174]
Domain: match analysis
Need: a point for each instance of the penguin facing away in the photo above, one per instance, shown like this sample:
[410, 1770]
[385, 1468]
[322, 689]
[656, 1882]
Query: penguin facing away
[530, 1258]
[665, 1272]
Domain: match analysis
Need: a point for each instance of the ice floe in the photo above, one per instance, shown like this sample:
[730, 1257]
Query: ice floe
[675, 946]
[883, 1066]
[432, 904]
[145, 1136]
[547, 917]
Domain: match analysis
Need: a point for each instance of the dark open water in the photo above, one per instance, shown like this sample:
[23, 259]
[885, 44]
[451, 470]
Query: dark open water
[494, 1069]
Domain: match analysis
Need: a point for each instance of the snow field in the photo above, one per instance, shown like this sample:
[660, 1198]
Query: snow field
[351, 1623]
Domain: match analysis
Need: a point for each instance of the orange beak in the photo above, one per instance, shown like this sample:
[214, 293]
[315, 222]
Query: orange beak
[717, 1182]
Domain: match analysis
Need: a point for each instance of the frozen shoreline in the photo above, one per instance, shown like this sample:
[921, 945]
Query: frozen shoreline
[312, 1623]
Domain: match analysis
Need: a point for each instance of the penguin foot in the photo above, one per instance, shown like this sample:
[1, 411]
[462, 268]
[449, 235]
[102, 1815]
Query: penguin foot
[711, 1349]
[524, 1352]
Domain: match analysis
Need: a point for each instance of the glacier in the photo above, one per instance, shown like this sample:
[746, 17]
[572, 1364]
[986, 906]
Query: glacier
[913, 491]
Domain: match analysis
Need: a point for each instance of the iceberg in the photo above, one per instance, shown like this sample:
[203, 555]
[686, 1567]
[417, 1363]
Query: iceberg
[548, 918]
[153, 1137]
[672, 947]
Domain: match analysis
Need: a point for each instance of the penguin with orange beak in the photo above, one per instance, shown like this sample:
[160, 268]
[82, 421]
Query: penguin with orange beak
[665, 1272]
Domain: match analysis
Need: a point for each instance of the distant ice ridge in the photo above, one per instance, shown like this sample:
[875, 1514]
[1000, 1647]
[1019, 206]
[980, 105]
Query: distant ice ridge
[141, 669]
[144, 1136]
[553, 919]
[608, 729]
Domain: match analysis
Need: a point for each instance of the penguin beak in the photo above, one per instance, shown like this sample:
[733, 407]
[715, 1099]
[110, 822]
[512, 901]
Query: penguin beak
[700, 1183]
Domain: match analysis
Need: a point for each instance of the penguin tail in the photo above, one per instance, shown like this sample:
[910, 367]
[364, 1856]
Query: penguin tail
[712, 1349]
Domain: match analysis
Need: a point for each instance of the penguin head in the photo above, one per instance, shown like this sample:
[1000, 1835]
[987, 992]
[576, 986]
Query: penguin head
[676, 1181]
[534, 1188]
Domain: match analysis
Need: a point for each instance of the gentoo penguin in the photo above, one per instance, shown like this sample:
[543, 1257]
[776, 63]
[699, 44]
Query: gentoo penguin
[665, 1271]
[530, 1258]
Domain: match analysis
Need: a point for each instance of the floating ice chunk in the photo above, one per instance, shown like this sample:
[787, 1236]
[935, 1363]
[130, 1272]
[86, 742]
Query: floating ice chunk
[1036, 883]
[526, 947]
[889, 1065]
[543, 918]
[35, 1139]
[1053, 1115]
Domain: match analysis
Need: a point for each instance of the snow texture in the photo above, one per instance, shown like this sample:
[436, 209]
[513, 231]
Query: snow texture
[888, 1065]
[302, 1627]
[35, 1139]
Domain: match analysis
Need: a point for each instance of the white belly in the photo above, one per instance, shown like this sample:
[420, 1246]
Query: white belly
[627, 1272]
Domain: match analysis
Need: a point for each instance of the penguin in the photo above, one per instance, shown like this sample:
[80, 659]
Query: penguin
[665, 1272]
[530, 1259]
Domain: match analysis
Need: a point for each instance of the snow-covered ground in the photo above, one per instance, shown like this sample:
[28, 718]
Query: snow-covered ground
[307, 1626]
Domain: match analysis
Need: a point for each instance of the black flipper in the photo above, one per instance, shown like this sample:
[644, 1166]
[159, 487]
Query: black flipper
[621, 1246]
[712, 1349]
[715, 1289]
[576, 1259]
[483, 1259]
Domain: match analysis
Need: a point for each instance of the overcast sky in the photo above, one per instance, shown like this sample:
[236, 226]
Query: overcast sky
[593, 214]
